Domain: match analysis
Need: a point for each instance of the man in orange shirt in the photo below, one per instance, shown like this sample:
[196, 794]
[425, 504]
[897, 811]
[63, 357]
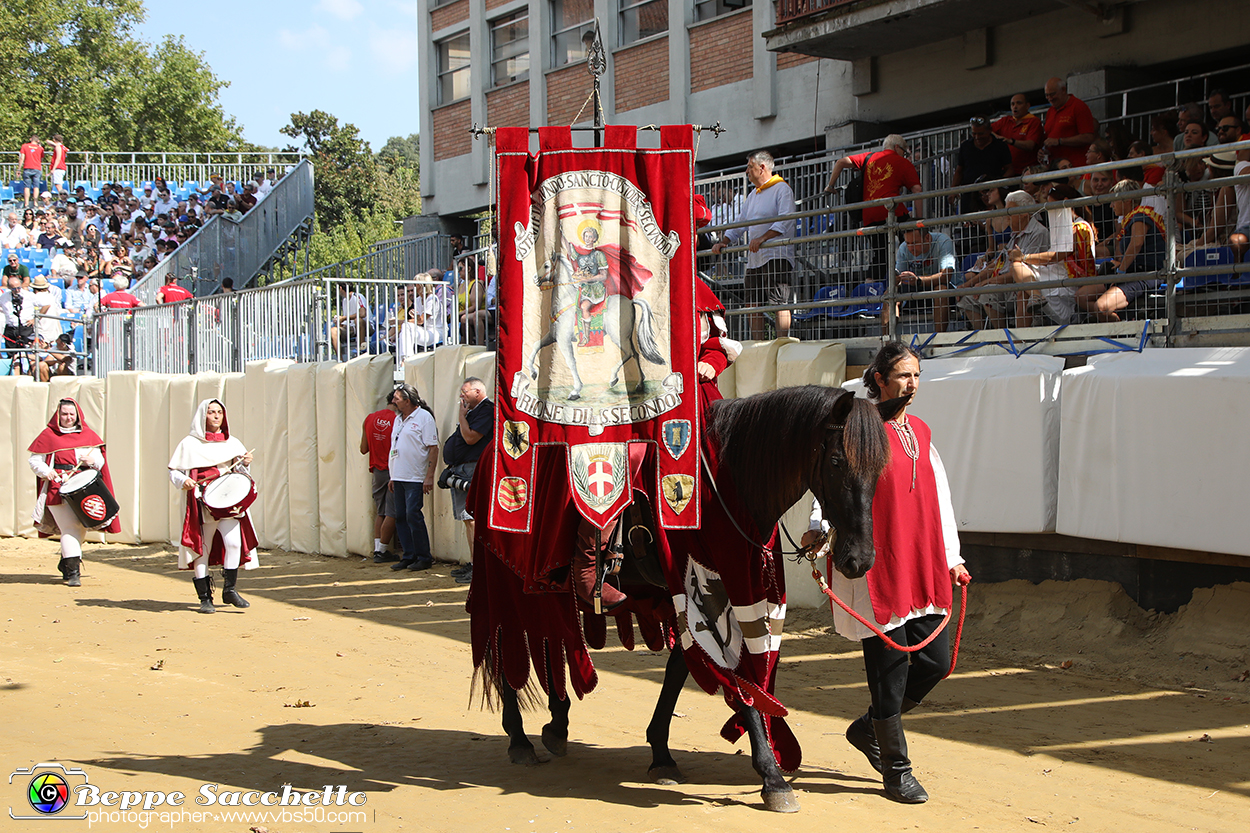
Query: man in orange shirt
[1022, 131]
[1070, 126]
[32, 169]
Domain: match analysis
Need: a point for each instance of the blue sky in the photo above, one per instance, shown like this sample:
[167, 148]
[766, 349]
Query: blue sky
[355, 59]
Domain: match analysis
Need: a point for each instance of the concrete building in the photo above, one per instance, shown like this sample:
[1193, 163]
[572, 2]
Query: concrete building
[794, 76]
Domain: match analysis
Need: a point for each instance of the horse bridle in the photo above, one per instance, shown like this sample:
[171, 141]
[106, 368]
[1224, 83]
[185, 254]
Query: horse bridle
[811, 552]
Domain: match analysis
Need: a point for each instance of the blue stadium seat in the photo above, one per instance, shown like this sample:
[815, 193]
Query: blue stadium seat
[825, 293]
[18, 186]
[106, 286]
[6, 193]
[85, 184]
[190, 184]
[59, 283]
[969, 260]
[39, 257]
[868, 289]
[1215, 256]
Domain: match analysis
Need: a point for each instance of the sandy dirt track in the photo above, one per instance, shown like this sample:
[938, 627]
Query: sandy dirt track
[1132, 736]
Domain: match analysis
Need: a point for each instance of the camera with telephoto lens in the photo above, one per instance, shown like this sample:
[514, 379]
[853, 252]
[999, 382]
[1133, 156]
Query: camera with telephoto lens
[450, 480]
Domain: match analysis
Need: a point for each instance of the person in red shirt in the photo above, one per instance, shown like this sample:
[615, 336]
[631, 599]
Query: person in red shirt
[58, 165]
[32, 169]
[1070, 126]
[171, 291]
[375, 440]
[119, 298]
[1022, 131]
[887, 173]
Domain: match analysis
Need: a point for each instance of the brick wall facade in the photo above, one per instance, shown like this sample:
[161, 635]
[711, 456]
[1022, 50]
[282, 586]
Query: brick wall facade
[451, 130]
[449, 15]
[510, 106]
[641, 74]
[567, 90]
[494, 4]
[785, 60]
[720, 51]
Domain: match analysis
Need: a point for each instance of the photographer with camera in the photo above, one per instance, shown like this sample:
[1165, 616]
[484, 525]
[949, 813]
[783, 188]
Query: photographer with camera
[17, 305]
[461, 452]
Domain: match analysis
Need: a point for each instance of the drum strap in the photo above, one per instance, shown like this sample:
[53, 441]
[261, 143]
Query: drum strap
[64, 467]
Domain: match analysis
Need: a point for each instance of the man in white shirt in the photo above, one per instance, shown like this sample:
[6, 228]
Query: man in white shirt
[264, 184]
[14, 235]
[47, 302]
[413, 461]
[165, 204]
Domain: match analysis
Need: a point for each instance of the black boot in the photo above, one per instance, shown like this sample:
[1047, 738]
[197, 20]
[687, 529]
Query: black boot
[204, 588]
[228, 594]
[60, 567]
[70, 570]
[861, 736]
[900, 784]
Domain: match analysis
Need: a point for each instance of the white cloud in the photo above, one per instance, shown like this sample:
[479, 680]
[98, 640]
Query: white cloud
[394, 50]
[317, 41]
[342, 9]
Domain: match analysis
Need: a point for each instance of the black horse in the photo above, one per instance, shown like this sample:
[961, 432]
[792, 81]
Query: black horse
[771, 448]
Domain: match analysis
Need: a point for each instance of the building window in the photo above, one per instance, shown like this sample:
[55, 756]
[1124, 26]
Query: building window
[453, 69]
[708, 9]
[509, 49]
[642, 19]
[571, 20]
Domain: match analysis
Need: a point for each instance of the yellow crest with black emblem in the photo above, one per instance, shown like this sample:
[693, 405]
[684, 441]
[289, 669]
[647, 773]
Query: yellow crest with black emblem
[677, 489]
[516, 438]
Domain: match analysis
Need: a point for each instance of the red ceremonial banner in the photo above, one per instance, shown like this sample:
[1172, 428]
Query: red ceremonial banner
[597, 330]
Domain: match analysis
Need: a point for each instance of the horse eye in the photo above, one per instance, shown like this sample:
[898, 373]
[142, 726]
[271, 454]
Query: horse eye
[836, 461]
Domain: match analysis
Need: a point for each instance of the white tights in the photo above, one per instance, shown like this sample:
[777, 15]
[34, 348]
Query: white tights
[72, 531]
[231, 536]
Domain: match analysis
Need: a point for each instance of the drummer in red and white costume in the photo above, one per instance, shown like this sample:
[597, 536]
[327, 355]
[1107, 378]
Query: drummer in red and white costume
[66, 445]
[205, 454]
[907, 593]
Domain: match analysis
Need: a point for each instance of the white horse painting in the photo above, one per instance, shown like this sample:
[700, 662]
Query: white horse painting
[632, 332]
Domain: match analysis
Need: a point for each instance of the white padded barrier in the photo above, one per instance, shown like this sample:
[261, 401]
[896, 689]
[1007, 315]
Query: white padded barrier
[270, 437]
[123, 439]
[1154, 449]
[303, 489]
[332, 458]
[755, 370]
[16, 469]
[183, 398]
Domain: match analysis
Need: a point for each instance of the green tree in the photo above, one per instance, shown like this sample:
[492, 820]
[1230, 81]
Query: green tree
[75, 67]
[399, 152]
[346, 173]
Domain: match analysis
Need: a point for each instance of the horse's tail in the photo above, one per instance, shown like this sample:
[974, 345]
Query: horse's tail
[645, 330]
[488, 679]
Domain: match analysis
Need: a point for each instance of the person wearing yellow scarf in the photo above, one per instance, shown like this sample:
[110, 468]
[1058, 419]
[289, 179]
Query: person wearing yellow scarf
[769, 268]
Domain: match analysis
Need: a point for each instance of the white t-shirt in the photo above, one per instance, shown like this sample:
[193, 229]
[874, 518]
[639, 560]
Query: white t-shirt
[1243, 196]
[49, 328]
[411, 440]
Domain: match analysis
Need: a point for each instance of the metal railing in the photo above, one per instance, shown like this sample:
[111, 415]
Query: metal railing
[1197, 286]
[136, 168]
[341, 311]
[222, 248]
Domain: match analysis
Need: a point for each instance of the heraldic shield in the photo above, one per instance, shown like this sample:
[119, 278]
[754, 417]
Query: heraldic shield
[597, 332]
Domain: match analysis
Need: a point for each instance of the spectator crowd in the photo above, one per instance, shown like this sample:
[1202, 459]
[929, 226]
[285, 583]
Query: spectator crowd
[68, 253]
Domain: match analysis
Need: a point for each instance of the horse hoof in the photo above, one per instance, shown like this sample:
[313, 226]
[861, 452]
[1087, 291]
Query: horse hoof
[557, 745]
[666, 776]
[781, 802]
[573, 397]
[523, 755]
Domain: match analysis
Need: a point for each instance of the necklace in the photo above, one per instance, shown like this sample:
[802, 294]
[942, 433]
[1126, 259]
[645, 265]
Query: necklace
[911, 446]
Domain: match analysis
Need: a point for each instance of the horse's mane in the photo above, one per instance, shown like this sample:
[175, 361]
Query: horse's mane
[767, 441]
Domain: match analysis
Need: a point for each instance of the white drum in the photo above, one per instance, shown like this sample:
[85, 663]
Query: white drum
[229, 496]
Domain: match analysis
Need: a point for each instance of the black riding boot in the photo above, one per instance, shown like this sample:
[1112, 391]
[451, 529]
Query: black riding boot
[861, 736]
[229, 596]
[204, 588]
[69, 569]
[900, 784]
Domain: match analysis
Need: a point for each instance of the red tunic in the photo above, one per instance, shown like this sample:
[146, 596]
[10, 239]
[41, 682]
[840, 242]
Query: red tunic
[910, 572]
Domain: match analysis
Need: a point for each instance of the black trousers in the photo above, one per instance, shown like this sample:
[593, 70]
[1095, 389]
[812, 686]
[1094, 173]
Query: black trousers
[893, 675]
